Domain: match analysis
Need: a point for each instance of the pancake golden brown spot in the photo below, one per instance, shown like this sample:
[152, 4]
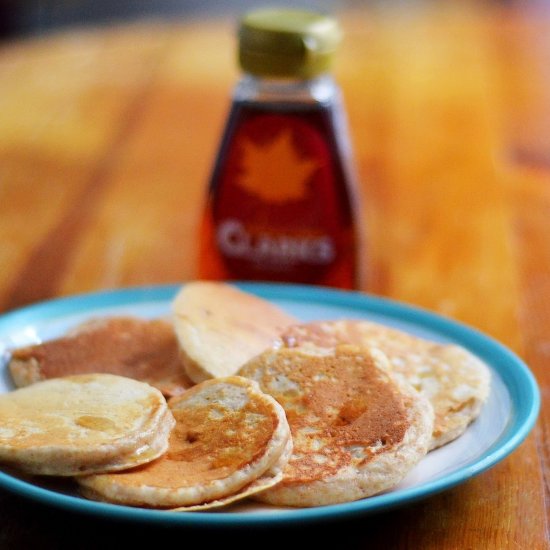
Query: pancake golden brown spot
[356, 429]
[455, 382]
[83, 424]
[228, 434]
[220, 327]
[146, 350]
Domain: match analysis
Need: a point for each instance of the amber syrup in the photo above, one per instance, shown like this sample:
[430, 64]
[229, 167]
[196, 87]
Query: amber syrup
[280, 201]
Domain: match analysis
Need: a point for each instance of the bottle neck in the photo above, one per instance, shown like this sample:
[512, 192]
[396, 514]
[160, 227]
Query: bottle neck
[321, 89]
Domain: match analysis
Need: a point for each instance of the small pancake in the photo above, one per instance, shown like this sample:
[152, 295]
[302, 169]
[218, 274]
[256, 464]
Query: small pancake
[83, 424]
[146, 350]
[220, 327]
[228, 434]
[357, 430]
[455, 382]
[269, 479]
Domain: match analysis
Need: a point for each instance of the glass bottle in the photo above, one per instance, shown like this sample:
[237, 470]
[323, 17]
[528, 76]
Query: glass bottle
[281, 201]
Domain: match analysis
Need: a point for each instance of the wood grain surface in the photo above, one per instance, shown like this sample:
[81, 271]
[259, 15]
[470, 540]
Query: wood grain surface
[107, 138]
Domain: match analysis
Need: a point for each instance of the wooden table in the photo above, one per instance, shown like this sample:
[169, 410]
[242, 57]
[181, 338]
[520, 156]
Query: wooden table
[107, 137]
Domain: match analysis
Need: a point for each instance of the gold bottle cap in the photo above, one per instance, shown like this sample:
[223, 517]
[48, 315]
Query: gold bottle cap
[287, 42]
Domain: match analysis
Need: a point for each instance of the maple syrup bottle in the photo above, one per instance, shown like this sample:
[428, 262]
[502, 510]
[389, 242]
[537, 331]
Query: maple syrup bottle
[281, 202]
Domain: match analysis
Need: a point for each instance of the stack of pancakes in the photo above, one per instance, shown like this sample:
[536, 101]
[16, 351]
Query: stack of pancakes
[234, 398]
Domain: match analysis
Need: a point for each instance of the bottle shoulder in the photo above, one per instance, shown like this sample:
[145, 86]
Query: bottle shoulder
[323, 90]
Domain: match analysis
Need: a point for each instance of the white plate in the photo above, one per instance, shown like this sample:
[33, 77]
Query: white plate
[505, 421]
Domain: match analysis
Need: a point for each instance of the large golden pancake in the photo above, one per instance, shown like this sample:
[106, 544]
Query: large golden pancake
[146, 350]
[83, 424]
[455, 382]
[228, 434]
[220, 327]
[356, 429]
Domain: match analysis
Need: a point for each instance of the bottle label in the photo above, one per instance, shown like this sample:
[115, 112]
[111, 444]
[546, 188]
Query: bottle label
[236, 242]
[280, 210]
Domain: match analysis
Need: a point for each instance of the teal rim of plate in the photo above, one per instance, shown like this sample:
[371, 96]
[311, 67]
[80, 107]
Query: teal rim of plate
[515, 374]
